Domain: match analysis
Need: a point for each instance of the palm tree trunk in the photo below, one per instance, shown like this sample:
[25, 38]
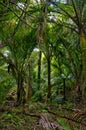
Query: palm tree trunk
[39, 69]
[49, 79]
[19, 89]
[29, 86]
[64, 89]
[83, 75]
[28, 91]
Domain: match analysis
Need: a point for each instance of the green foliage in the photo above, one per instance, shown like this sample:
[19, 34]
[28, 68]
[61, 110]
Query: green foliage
[38, 95]
[64, 123]
[12, 120]
[6, 83]
[56, 27]
[55, 30]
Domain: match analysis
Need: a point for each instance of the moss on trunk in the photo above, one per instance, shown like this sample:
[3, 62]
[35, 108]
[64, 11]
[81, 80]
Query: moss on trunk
[83, 75]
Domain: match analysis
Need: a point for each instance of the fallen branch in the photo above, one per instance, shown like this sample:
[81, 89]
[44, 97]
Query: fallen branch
[32, 115]
[68, 118]
[70, 109]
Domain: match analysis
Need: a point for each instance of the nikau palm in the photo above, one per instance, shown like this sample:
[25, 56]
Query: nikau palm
[75, 19]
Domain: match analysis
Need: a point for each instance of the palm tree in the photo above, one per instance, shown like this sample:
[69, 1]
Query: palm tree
[72, 16]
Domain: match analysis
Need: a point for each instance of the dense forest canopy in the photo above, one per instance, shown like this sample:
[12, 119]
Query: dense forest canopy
[58, 30]
[43, 52]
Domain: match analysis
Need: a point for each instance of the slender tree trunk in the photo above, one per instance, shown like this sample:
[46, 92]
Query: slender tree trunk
[49, 78]
[39, 69]
[83, 75]
[28, 91]
[20, 89]
[29, 86]
[64, 88]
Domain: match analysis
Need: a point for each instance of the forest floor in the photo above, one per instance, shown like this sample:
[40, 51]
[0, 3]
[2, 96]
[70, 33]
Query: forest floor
[42, 116]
